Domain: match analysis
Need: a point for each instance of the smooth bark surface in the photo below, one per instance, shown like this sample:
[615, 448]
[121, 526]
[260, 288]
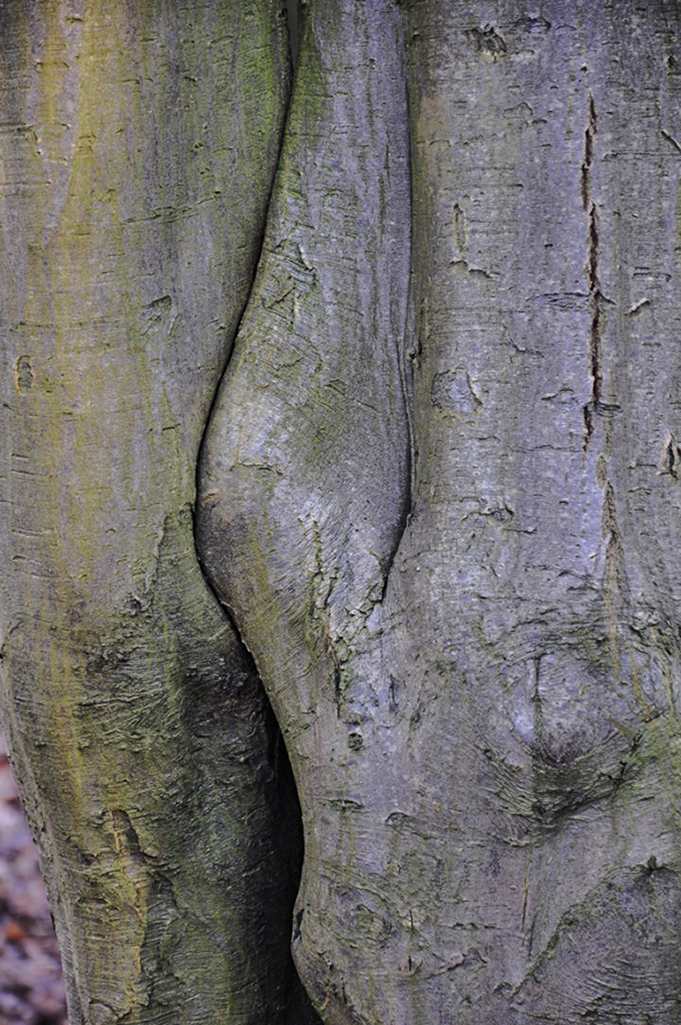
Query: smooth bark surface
[138, 143]
[484, 731]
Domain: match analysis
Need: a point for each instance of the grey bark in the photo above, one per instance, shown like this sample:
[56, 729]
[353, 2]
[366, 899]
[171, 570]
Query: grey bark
[138, 142]
[438, 494]
[480, 707]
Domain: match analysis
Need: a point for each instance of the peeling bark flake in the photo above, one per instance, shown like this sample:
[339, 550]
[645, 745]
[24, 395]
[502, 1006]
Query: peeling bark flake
[24, 378]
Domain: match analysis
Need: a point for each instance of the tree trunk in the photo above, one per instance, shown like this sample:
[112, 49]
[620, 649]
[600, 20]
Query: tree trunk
[438, 493]
[138, 145]
[479, 700]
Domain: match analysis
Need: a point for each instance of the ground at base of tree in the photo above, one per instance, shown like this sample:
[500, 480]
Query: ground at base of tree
[31, 983]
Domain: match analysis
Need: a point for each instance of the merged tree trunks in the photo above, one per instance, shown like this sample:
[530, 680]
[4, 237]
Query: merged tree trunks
[138, 142]
[446, 528]
[480, 701]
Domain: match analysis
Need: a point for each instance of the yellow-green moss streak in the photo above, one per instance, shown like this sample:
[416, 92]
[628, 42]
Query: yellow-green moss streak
[137, 150]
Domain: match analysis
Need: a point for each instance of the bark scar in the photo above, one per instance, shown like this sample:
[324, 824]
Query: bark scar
[24, 377]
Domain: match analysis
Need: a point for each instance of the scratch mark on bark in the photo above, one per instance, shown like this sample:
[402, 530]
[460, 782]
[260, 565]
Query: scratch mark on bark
[670, 462]
[474, 271]
[639, 306]
[459, 227]
[596, 327]
[670, 138]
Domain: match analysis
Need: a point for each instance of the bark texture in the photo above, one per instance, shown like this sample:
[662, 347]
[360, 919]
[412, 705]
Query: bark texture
[138, 143]
[439, 494]
[480, 701]
[304, 478]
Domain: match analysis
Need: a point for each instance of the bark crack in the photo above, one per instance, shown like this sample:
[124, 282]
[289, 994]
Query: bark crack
[587, 162]
[593, 406]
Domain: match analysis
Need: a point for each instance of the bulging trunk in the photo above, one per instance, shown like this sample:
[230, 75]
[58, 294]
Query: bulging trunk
[438, 494]
[479, 699]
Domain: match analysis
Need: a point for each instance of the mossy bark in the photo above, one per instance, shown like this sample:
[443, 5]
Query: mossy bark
[138, 143]
[438, 493]
[480, 698]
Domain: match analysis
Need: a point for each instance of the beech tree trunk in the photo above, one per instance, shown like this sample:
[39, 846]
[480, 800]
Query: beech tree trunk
[138, 145]
[437, 496]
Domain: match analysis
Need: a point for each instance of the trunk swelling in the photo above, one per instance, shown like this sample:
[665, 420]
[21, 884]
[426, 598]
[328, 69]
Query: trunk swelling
[484, 730]
[137, 150]
[447, 532]
[305, 466]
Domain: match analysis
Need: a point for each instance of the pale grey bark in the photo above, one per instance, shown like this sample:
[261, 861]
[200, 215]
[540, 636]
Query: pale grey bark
[484, 730]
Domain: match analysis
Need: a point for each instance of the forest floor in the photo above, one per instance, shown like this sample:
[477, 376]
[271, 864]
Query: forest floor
[31, 984]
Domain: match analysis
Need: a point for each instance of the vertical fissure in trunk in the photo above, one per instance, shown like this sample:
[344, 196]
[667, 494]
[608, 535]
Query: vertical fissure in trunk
[291, 825]
[293, 14]
[596, 326]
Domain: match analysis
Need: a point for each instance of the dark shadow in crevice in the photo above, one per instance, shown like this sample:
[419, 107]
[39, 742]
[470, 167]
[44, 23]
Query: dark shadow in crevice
[299, 1009]
[288, 828]
[293, 12]
[287, 831]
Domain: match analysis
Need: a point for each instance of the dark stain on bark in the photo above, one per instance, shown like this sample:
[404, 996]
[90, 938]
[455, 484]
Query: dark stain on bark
[392, 692]
[337, 681]
[533, 26]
